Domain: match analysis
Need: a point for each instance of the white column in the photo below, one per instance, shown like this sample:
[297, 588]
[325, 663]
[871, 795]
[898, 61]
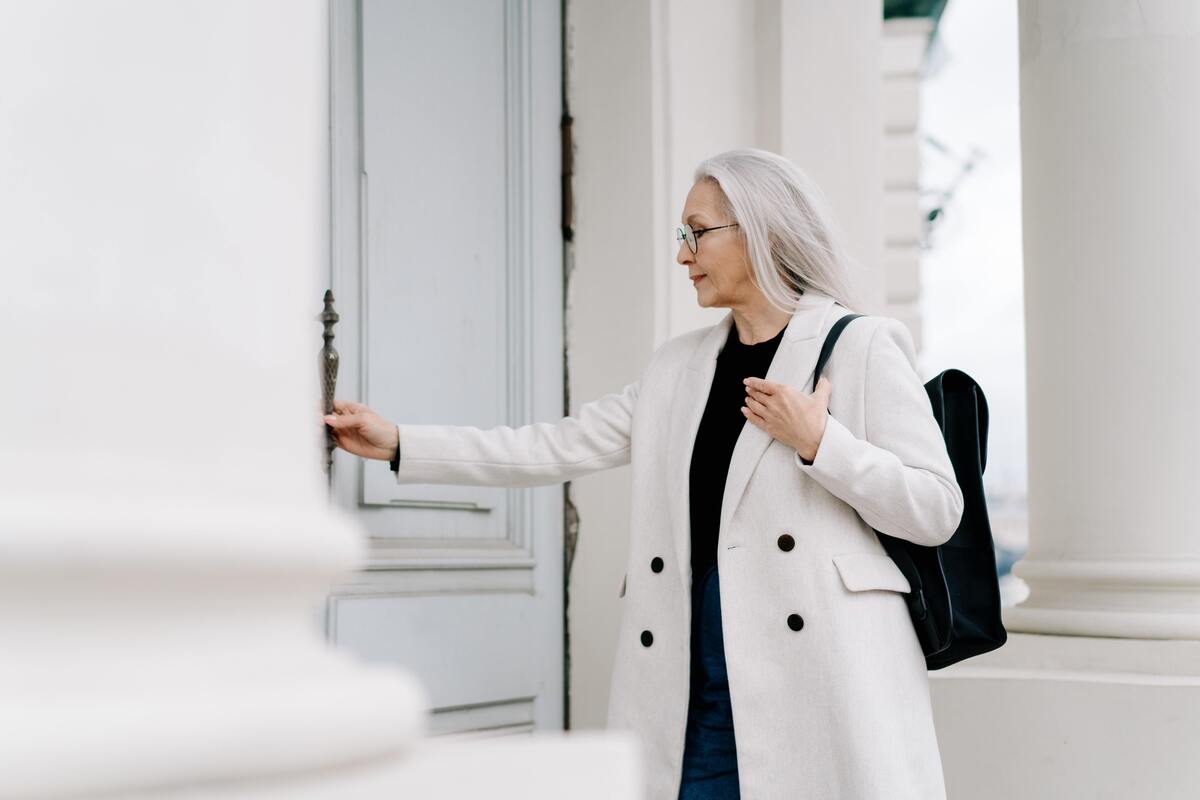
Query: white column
[1110, 120]
[166, 542]
[903, 55]
[831, 121]
[1097, 692]
[619, 233]
[165, 539]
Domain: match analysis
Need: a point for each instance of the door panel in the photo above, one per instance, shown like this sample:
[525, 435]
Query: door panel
[447, 269]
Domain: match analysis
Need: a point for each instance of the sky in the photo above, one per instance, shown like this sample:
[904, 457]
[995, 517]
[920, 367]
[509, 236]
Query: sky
[972, 288]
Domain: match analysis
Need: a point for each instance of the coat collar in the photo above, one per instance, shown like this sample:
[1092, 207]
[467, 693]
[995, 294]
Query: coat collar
[794, 362]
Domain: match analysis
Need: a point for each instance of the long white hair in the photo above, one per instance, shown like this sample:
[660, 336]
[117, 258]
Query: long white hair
[785, 220]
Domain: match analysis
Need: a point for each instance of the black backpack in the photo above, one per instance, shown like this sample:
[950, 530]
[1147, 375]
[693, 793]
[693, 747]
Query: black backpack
[955, 599]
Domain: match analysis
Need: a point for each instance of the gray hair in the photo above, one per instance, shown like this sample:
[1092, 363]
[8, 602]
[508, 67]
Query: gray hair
[784, 217]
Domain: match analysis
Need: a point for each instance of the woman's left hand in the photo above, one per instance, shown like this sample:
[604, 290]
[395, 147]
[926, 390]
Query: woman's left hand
[788, 414]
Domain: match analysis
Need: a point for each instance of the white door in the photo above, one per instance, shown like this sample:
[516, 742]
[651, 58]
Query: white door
[447, 274]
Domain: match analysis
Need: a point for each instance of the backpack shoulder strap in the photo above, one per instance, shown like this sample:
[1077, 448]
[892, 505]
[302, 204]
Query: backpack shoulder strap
[830, 340]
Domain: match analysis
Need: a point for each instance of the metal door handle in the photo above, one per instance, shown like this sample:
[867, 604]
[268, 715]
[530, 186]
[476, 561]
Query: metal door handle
[328, 368]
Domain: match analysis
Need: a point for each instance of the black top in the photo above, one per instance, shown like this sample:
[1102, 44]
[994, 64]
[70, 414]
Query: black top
[720, 427]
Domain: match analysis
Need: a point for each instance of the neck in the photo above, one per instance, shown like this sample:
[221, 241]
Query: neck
[759, 322]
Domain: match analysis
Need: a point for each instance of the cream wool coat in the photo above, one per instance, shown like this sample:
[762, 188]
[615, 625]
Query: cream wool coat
[838, 710]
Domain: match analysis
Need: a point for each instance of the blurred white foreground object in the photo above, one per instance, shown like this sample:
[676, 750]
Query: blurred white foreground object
[591, 765]
[165, 538]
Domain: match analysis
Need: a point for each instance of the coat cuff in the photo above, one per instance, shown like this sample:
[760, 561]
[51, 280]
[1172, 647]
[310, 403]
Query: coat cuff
[832, 464]
[395, 462]
[419, 454]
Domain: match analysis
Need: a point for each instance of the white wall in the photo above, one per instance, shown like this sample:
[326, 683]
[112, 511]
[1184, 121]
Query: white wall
[612, 296]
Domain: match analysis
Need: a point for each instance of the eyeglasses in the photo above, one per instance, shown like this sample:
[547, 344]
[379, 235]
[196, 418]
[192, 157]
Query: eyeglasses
[689, 234]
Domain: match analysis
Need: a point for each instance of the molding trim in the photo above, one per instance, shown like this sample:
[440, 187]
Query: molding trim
[1147, 599]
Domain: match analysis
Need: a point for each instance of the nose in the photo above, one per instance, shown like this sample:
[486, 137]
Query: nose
[684, 256]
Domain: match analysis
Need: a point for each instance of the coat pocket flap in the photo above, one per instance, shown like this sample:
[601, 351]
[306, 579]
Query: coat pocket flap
[861, 571]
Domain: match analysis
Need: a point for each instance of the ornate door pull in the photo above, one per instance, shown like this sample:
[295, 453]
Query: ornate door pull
[328, 368]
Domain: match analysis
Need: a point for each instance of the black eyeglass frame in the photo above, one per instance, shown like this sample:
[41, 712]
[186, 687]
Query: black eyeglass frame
[693, 243]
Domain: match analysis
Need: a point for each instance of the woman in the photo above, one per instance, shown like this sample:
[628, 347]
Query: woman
[765, 647]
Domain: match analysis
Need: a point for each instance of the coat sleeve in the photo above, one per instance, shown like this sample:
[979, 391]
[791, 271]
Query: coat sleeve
[537, 454]
[899, 478]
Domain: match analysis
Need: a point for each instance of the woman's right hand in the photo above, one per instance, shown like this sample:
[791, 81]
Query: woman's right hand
[359, 430]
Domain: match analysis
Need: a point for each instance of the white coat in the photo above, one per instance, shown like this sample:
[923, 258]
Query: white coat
[837, 710]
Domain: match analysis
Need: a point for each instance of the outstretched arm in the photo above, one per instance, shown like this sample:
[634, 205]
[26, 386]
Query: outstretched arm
[540, 453]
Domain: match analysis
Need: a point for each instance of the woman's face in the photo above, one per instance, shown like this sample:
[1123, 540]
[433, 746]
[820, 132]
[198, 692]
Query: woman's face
[720, 256]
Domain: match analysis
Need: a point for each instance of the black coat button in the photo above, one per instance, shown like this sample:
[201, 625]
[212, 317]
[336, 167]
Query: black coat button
[647, 638]
[786, 542]
[795, 622]
[656, 564]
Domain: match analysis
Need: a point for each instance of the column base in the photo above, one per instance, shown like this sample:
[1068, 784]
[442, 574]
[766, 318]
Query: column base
[1068, 716]
[1134, 599]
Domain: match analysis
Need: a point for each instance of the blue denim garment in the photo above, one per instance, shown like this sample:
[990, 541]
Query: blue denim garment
[709, 754]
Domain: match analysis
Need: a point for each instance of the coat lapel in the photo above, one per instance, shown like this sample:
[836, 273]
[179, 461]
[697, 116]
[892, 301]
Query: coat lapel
[793, 364]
